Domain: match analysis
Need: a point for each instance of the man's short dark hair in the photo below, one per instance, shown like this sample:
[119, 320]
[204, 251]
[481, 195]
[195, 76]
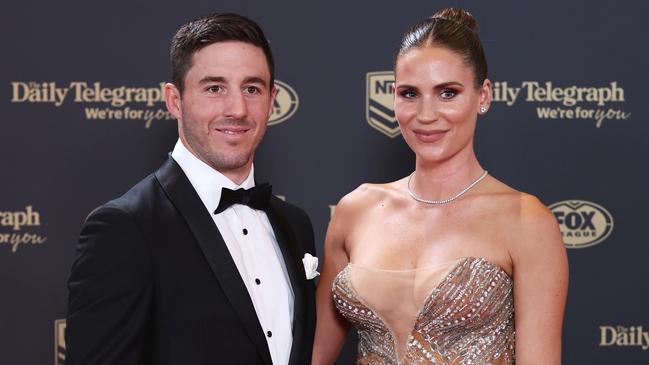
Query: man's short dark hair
[213, 28]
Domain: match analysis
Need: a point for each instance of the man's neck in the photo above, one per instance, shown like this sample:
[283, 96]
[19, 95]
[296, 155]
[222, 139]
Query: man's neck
[236, 175]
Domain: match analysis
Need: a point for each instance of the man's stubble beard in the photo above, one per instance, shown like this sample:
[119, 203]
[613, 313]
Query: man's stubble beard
[218, 160]
[221, 161]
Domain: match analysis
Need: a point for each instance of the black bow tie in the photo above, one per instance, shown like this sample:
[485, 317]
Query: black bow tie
[256, 197]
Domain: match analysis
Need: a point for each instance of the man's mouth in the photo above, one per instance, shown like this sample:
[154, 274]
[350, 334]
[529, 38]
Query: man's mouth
[233, 131]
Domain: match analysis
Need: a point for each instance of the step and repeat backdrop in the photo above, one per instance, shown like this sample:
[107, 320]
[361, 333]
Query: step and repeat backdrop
[82, 119]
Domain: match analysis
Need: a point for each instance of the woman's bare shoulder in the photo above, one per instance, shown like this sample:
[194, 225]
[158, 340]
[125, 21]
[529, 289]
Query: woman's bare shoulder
[531, 224]
[353, 209]
[365, 196]
[526, 216]
[517, 204]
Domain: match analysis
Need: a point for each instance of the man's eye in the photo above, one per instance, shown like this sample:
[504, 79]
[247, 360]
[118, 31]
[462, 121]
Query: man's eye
[214, 89]
[448, 93]
[252, 90]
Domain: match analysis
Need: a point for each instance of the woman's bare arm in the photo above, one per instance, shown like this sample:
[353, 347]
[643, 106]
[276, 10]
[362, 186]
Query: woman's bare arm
[540, 285]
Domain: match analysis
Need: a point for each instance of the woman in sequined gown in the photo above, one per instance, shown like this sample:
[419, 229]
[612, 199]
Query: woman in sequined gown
[448, 265]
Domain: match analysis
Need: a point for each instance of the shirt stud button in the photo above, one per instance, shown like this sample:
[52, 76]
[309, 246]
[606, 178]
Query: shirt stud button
[269, 334]
[257, 281]
[245, 231]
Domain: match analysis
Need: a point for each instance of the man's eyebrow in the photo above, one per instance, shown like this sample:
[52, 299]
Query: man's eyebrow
[255, 80]
[208, 79]
[247, 80]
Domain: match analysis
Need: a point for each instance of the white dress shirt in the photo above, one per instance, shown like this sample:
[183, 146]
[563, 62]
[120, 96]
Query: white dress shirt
[252, 244]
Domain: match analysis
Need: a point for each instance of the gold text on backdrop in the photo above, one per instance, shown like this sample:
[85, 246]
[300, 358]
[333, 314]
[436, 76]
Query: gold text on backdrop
[12, 224]
[624, 336]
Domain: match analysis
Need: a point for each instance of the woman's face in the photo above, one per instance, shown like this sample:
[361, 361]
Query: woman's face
[436, 102]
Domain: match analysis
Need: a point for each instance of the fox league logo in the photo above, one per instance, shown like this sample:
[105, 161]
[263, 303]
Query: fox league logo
[286, 103]
[582, 223]
[380, 103]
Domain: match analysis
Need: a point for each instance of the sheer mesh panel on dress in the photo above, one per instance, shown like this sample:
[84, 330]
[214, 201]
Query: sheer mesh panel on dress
[458, 312]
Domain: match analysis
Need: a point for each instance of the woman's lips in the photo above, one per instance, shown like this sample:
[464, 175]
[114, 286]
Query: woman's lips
[427, 136]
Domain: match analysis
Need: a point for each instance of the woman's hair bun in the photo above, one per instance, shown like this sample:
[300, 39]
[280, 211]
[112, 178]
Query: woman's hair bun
[459, 16]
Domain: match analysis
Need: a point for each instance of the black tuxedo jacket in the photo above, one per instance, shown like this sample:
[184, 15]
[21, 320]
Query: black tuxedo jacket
[154, 283]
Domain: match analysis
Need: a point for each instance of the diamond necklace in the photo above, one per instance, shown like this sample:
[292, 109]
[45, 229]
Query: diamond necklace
[445, 201]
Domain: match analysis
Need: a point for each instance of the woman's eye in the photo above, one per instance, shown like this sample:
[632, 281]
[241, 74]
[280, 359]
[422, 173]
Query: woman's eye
[448, 93]
[409, 94]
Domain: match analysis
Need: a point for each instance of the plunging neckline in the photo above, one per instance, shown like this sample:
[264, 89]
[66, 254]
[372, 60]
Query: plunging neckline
[431, 295]
[433, 292]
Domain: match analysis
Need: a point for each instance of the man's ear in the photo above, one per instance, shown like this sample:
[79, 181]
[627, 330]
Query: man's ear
[172, 100]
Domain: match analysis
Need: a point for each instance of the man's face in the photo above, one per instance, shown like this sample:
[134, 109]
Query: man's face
[226, 103]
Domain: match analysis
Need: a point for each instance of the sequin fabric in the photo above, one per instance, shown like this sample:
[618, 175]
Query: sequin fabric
[468, 318]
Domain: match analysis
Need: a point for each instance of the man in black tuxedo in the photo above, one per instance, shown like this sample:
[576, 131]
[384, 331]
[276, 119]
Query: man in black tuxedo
[187, 267]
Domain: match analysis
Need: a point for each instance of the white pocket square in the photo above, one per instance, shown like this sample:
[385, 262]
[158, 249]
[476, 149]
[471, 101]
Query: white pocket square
[310, 266]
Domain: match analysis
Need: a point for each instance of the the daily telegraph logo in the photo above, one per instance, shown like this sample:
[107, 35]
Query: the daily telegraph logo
[59, 342]
[18, 228]
[286, 103]
[623, 336]
[128, 103]
[379, 103]
[575, 102]
[582, 223]
[143, 104]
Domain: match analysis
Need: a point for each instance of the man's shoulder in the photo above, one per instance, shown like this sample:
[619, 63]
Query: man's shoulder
[289, 209]
[134, 200]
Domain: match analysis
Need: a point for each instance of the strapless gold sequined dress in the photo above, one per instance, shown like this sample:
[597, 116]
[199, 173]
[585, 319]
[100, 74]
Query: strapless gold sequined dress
[459, 312]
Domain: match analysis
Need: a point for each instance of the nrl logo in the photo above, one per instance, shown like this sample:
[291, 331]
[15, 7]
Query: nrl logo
[380, 103]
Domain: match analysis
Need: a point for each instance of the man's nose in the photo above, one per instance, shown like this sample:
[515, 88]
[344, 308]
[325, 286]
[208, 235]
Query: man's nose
[236, 106]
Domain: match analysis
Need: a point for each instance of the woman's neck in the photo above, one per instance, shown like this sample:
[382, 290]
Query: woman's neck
[443, 179]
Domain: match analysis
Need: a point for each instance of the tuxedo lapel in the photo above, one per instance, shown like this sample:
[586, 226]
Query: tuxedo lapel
[183, 196]
[291, 254]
